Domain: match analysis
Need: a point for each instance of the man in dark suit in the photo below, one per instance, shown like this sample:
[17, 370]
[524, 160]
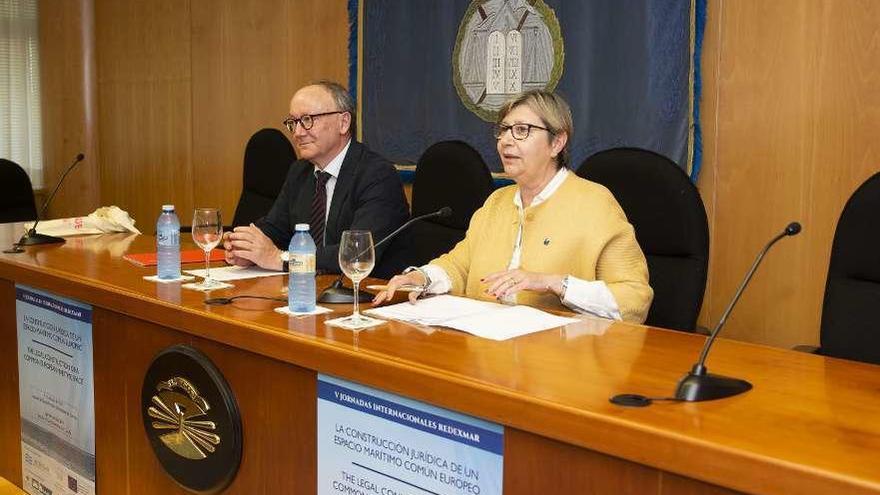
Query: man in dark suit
[337, 184]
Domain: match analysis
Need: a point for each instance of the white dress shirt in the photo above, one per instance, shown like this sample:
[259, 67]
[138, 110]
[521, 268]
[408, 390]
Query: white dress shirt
[583, 296]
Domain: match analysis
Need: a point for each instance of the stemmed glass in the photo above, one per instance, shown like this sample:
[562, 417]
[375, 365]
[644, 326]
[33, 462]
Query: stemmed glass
[356, 259]
[207, 230]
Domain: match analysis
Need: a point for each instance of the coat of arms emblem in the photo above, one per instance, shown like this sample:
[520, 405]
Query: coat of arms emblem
[505, 47]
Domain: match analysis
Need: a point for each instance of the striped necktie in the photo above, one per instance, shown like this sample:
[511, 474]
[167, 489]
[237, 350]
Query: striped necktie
[319, 207]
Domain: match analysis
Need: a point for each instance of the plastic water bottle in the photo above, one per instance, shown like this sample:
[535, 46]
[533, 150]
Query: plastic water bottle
[301, 284]
[168, 244]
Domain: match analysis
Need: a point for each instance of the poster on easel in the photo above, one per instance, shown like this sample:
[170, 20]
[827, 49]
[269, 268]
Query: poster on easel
[56, 393]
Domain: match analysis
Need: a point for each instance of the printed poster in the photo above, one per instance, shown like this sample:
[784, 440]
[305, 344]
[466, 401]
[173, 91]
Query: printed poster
[376, 443]
[56, 390]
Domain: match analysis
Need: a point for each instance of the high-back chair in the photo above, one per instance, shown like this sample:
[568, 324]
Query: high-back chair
[849, 327]
[449, 173]
[267, 159]
[665, 209]
[16, 194]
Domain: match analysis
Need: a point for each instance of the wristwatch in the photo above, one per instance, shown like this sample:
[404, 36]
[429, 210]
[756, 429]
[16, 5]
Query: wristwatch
[285, 261]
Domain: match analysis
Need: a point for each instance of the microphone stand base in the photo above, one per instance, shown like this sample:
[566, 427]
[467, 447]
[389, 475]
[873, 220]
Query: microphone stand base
[34, 239]
[339, 294]
[706, 386]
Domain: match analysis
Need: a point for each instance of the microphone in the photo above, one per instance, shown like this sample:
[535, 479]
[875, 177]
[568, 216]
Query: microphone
[700, 385]
[444, 212]
[31, 237]
[339, 294]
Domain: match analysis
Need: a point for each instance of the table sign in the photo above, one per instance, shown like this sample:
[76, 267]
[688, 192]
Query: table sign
[371, 441]
[56, 392]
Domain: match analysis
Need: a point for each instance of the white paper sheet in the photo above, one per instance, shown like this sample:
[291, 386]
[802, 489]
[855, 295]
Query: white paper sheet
[484, 319]
[227, 273]
[509, 322]
[434, 310]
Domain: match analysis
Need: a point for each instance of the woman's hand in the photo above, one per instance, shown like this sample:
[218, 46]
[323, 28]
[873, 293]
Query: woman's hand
[508, 282]
[412, 278]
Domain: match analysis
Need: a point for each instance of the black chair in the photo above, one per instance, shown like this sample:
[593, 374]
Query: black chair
[17, 196]
[665, 209]
[267, 158]
[849, 327]
[449, 173]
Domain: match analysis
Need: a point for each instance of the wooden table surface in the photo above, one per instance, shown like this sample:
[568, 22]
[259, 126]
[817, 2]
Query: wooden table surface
[810, 425]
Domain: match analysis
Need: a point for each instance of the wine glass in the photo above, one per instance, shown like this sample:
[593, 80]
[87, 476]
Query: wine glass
[207, 230]
[356, 259]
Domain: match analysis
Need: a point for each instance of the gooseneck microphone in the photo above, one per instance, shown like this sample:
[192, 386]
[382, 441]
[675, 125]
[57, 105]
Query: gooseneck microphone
[339, 294]
[31, 237]
[700, 385]
[441, 213]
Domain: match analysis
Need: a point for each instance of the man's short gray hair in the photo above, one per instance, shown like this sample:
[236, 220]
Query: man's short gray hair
[343, 99]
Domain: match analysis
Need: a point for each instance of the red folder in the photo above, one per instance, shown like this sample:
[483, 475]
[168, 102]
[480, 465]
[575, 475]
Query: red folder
[186, 256]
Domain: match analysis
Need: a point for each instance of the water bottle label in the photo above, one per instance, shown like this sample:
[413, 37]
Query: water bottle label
[302, 263]
[168, 237]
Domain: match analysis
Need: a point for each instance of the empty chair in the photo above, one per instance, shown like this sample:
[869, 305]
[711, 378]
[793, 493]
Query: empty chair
[267, 158]
[665, 209]
[849, 327]
[17, 196]
[449, 173]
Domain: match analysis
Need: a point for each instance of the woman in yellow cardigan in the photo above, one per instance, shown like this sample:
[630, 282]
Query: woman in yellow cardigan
[551, 239]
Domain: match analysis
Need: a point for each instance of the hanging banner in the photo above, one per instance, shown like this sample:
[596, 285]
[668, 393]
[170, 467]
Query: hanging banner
[56, 392]
[436, 71]
[374, 442]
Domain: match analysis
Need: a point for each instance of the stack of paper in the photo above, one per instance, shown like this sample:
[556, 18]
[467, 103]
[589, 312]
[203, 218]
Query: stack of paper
[484, 319]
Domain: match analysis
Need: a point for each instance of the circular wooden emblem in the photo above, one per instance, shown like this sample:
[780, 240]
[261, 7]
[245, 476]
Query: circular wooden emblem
[191, 419]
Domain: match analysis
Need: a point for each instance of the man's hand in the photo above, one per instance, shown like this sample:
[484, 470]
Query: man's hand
[247, 246]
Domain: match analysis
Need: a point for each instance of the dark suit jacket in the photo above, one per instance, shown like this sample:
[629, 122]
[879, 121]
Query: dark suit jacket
[368, 196]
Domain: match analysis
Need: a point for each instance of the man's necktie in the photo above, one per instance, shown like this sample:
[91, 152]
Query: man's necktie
[319, 207]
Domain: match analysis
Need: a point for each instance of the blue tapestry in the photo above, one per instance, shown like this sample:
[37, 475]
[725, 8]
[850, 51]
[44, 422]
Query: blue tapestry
[438, 70]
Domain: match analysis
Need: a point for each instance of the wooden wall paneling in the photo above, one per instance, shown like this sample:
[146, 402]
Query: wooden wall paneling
[277, 402]
[764, 120]
[316, 43]
[248, 58]
[846, 150]
[68, 86]
[238, 88]
[796, 106]
[144, 94]
[10, 431]
[706, 182]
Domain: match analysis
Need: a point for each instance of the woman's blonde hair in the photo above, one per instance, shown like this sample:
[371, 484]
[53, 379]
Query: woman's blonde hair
[553, 111]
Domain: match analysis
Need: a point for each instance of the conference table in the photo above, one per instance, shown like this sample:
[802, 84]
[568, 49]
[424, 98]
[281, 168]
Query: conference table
[811, 424]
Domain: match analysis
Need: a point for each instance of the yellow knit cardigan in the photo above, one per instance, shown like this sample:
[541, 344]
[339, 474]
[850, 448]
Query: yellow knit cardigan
[580, 231]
